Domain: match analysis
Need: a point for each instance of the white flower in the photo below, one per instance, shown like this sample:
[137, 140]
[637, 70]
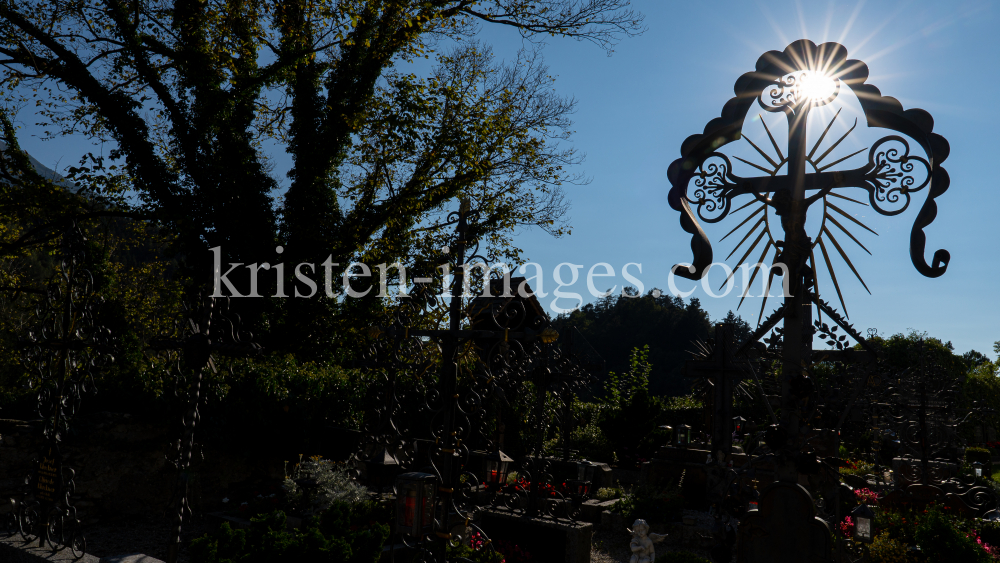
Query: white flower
[225, 500]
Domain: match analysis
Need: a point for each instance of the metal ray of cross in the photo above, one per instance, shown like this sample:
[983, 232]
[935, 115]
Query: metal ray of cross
[792, 82]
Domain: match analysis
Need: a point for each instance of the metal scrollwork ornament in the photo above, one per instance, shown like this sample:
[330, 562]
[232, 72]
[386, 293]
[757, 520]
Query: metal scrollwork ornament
[63, 352]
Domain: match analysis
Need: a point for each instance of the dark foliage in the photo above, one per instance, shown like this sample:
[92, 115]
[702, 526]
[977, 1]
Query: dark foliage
[939, 540]
[343, 534]
[617, 324]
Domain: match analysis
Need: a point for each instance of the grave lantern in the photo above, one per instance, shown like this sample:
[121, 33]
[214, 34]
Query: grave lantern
[584, 479]
[415, 494]
[753, 493]
[497, 468]
[739, 425]
[683, 435]
[864, 523]
[978, 467]
[380, 468]
[670, 432]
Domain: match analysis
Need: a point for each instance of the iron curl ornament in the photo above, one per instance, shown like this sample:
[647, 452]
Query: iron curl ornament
[206, 329]
[776, 85]
[446, 365]
[62, 353]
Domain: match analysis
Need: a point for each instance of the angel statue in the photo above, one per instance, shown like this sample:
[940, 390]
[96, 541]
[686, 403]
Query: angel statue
[642, 542]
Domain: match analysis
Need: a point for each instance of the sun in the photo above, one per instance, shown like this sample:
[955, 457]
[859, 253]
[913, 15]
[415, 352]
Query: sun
[816, 86]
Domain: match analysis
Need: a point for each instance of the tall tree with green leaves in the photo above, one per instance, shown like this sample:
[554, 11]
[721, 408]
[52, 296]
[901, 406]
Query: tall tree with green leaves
[191, 94]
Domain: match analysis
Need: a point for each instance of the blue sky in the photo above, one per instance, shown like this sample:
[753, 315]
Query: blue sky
[637, 106]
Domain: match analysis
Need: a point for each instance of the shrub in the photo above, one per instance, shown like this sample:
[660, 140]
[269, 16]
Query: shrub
[476, 549]
[651, 504]
[345, 533]
[989, 532]
[899, 524]
[631, 416]
[607, 493]
[279, 405]
[941, 540]
[885, 549]
[681, 557]
[333, 483]
[856, 467]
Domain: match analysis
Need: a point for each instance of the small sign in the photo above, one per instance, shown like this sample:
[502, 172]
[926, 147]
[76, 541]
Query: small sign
[49, 480]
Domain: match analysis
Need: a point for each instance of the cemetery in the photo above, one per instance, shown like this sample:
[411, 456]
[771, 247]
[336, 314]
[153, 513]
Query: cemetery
[434, 411]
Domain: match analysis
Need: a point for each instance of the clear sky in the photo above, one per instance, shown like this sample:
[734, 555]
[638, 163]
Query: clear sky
[637, 106]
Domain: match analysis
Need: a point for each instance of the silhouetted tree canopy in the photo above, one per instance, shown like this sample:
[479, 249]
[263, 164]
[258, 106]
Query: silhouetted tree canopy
[189, 96]
[617, 324]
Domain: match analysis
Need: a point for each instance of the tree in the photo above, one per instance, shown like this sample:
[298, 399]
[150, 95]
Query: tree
[616, 324]
[741, 329]
[190, 92]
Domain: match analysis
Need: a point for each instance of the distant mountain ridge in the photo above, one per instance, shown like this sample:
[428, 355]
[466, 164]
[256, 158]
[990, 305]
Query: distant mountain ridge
[46, 172]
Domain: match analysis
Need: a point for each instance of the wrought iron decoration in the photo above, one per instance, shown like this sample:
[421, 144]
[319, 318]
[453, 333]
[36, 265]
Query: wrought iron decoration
[704, 186]
[440, 395]
[891, 175]
[207, 330]
[64, 352]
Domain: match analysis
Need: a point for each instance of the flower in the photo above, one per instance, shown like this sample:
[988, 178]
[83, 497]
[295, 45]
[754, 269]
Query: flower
[846, 527]
[867, 496]
[225, 500]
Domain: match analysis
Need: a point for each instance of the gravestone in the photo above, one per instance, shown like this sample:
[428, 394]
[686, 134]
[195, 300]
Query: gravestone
[785, 528]
[546, 539]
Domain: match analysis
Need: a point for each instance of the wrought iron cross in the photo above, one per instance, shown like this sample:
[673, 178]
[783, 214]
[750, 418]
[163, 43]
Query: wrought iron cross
[792, 82]
[64, 352]
[207, 330]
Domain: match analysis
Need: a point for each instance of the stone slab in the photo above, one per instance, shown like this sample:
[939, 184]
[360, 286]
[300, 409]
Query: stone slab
[13, 549]
[130, 558]
[571, 539]
[590, 510]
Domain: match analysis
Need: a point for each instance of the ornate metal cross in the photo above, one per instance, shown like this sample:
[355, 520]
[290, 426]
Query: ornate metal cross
[795, 82]
[65, 350]
[208, 329]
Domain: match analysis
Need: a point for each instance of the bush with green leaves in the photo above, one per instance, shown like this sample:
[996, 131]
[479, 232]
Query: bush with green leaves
[631, 416]
[653, 504]
[608, 493]
[886, 549]
[278, 405]
[940, 539]
[316, 483]
[344, 533]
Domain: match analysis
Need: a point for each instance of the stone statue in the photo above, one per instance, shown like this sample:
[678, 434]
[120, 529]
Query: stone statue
[642, 543]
